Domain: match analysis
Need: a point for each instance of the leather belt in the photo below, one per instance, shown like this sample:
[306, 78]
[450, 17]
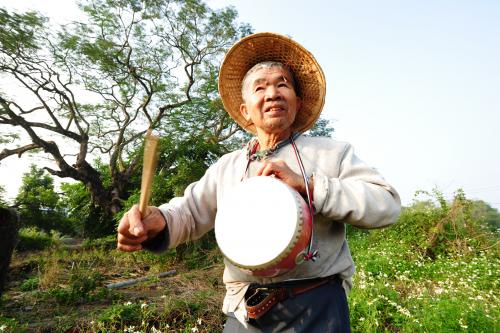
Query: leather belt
[260, 299]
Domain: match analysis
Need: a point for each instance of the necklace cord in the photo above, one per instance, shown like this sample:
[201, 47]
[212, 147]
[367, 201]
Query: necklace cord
[252, 156]
[311, 254]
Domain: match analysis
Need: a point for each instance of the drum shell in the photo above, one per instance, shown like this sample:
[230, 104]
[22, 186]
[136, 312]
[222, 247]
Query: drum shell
[297, 245]
[296, 255]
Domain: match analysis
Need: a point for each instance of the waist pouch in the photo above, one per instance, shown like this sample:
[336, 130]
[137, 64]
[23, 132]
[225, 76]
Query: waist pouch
[261, 298]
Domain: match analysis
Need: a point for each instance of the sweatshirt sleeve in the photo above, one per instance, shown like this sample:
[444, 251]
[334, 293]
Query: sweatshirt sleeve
[359, 195]
[189, 217]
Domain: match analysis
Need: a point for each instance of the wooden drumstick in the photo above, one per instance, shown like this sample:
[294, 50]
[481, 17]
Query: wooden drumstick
[148, 170]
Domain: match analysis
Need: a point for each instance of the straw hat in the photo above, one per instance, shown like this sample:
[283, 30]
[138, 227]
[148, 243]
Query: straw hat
[309, 78]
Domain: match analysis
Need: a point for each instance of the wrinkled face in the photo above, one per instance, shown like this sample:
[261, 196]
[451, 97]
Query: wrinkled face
[270, 102]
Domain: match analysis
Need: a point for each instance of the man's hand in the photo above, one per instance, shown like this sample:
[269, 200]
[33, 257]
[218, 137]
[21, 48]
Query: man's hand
[133, 230]
[282, 171]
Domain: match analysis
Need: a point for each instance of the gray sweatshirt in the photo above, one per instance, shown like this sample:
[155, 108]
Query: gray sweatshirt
[346, 190]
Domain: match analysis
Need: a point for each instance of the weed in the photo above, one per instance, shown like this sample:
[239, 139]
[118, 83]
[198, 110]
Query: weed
[84, 287]
[30, 284]
[436, 270]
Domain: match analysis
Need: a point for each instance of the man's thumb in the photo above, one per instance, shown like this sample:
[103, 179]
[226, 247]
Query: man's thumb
[138, 230]
[136, 226]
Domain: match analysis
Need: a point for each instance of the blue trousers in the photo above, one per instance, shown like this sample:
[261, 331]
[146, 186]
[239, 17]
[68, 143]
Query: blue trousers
[322, 310]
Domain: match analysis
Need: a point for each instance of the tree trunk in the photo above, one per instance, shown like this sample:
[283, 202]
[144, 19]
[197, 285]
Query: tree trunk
[9, 226]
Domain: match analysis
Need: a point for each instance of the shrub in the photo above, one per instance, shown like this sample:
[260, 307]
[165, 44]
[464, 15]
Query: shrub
[442, 229]
[33, 239]
[435, 270]
[11, 325]
[105, 243]
[83, 287]
[30, 284]
[120, 315]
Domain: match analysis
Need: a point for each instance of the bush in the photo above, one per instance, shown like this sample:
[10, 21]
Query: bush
[33, 239]
[442, 229]
[84, 286]
[105, 243]
[30, 284]
[435, 270]
[11, 325]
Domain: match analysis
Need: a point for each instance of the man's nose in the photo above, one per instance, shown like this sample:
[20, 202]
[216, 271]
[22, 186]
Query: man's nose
[272, 93]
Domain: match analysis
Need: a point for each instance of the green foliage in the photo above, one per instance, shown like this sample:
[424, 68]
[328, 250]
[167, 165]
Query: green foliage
[85, 218]
[119, 316]
[145, 64]
[77, 203]
[84, 286]
[398, 287]
[67, 287]
[33, 239]
[38, 202]
[434, 271]
[8, 325]
[23, 32]
[8, 137]
[321, 128]
[180, 162]
[171, 314]
[3, 202]
[442, 229]
[482, 211]
[30, 284]
[105, 243]
[200, 253]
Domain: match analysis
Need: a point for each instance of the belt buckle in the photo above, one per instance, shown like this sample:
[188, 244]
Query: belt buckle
[256, 295]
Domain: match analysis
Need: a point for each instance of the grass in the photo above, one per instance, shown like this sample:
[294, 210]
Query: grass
[415, 294]
[436, 270]
[60, 290]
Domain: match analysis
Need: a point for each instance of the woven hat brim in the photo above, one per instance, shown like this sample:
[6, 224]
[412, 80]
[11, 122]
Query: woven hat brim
[266, 46]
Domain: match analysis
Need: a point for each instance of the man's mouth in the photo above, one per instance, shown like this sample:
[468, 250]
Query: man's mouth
[274, 109]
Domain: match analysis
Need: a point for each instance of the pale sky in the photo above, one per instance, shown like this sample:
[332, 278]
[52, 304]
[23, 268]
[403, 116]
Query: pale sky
[413, 85]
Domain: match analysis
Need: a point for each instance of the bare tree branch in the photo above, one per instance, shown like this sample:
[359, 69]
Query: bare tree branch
[19, 151]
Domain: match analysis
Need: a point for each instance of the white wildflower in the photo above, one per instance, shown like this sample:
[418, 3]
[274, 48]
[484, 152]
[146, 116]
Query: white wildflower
[461, 322]
[2, 328]
[199, 321]
[194, 329]
[127, 303]
[143, 305]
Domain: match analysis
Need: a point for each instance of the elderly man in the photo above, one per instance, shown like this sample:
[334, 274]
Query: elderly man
[275, 89]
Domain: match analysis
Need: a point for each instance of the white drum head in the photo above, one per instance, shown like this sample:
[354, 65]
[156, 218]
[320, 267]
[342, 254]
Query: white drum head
[257, 221]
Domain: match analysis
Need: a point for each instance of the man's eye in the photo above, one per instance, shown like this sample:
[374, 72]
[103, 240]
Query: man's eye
[282, 84]
[259, 88]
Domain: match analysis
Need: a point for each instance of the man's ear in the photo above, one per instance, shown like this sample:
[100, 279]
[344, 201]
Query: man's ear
[244, 111]
[299, 103]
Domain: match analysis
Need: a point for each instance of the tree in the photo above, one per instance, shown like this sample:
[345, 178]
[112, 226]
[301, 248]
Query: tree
[321, 128]
[96, 87]
[38, 202]
[3, 202]
[488, 215]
